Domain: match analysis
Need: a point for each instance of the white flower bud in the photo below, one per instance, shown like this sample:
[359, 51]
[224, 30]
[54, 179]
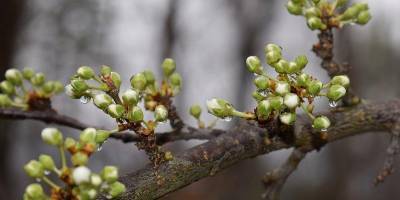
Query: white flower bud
[81, 175]
[14, 76]
[85, 72]
[115, 110]
[160, 113]
[219, 108]
[109, 174]
[287, 118]
[321, 123]
[88, 135]
[291, 100]
[95, 180]
[342, 80]
[102, 101]
[282, 88]
[130, 97]
[336, 92]
[52, 136]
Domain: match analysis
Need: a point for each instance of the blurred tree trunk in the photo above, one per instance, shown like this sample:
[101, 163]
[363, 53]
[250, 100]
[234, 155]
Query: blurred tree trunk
[10, 16]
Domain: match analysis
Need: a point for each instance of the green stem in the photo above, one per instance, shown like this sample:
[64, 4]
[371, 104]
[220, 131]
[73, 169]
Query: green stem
[311, 116]
[63, 159]
[20, 105]
[50, 183]
[243, 115]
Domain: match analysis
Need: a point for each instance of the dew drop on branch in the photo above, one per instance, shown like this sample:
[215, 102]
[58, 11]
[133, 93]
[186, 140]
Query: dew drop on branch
[333, 104]
[46, 172]
[227, 119]
[85, 99]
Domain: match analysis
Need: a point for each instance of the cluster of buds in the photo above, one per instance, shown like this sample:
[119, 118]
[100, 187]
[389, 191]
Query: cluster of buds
[321, 14]
[15, 92]
[280, 97]
[80, 182]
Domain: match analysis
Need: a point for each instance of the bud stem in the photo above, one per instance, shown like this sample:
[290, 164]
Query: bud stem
[311, 116]
[243, 114]
[63, 159]
[20, 105]
[50, 183]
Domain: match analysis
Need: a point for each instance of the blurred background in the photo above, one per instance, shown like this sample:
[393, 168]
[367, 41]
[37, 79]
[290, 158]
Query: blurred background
[210, 39]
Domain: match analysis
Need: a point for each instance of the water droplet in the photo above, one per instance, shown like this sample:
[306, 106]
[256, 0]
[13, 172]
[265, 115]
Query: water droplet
[227, 119]
[85, 99]
[46, 172]
[255, 74]
[38, 180]
[100, 146]
[263, 92]
[333, 104]
[324, 130]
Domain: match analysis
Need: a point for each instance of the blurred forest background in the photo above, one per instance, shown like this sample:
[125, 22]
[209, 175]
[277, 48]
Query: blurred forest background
[210, 39]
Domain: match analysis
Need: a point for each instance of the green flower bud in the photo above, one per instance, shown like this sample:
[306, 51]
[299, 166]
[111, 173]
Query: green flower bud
[321, 123]
[342, 80]
[301, 2]
[7, 87]
[34, 191]
[315, 23]
[34, 169]
[58, 87]
[220, 108]
[116, 189]
[257, 96]
[115, 110]
[301, 61]
[28, 73]
[105, 70]
[292, 68]
[336, 92]
[261, 82]
[273, 57]
[96, 180]
[116, 79]
[79, 159]
[303, 79]
[160, 113]
[316, 1]
[263, 109]
[314, 87]
[149, 75]
[168, 67]
[52, 136]
[109, 174]
[282, 88]
[281, 66]
[287, 118]
[313, 12]
[130, 97]
[291, 100]
[254, 65]
[135, 114]
[176, 80]
[38, 79]
[272, 47]
[168, 155]
[294, 9]
[47, 162]
[81, 175]
[70, 91]
[48, 87]
[88, 136]
[85, 72]
[102, 136]
[138, 81]
[79, 86]
[102, 101]
[14, 76]
[195, 111]
[69, 143]
[276, 102]
[5, 101]
[361, 6]
[340, 3]
[364, 17]
[352, 12]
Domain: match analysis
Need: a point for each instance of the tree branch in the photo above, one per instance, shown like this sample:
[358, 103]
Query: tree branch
[247, 141]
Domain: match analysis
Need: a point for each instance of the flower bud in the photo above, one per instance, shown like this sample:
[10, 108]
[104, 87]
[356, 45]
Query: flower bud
[105, 70]
[321, 123]
[350, 13]
[364, 17]
[5, 101]
[361, 6]
[291, 100]
[340, 3]
[81, 174]
[303, 80]
[301, 61]
[116, 189]
[314, 87]
[257, 96]
[47, 162]
[48, 87]
[116, 79]
[149, 75]
[315, 23]
[38, 79]
[28, 73]
[313, 12]
[292, 68]
[95, 180]
[79, 159]
[263, 110]
[52, 136]
[294, 9]
[168, 155]
[281, 66]
[168, 66]
[130, 97]
[135, 114]
[272, 47]
[69, 143]
[79, 86]
[102, 101]
[34, 191]
[342, 80]
[138, 81]
[336, 92]
[160, 113]
[58, 87]
[195, 111]
[261, 82]
[69, 90]
[253, 64]
[115, 110]
[109, 174]
[276, 102]
[282, 88]
[14, 76]
[176, 80]
[88, 136]
[102, 136]
[34, 169]
[85, 72]
[316, 1]
[273, 57]
[219, 108]
[7, 87]
[287, 118]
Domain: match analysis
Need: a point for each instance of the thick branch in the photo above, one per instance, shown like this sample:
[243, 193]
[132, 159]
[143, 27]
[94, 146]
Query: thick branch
[247, 141]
